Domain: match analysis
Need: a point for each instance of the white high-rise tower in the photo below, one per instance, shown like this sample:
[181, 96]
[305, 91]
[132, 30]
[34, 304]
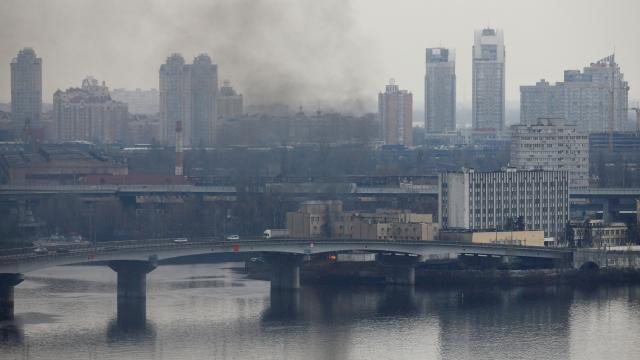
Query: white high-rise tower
[488, 80]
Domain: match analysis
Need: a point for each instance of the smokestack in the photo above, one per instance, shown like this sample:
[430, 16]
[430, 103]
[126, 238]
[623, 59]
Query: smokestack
[179, 157]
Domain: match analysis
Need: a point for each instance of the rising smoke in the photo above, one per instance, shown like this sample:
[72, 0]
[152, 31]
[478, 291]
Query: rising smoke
[278, 51]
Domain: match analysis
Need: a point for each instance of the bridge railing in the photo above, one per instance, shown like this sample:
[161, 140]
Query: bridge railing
[169, 243]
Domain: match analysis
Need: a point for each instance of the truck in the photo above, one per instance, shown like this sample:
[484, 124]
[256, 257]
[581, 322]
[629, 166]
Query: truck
[275, 233]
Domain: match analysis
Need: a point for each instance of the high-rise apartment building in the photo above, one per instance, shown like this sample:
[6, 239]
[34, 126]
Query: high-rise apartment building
[188, 93]
[171, 97]
[440, 91]
[139, 101]
[541, 101]
[201, 85]
[550, 144]
[488, 80]
[395, 109]
[595, 99]
[606, 72]
[88, 113]
[229, 102]
[26, 90]
[494, 200]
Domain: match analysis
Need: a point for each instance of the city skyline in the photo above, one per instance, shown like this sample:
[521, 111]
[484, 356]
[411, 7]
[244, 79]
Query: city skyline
[217, 179]
[349, 77]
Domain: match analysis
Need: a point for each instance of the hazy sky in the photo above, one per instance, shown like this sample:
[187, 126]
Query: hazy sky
[314, 52]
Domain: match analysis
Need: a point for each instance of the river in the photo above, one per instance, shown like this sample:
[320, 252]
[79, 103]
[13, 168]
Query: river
[210, 311]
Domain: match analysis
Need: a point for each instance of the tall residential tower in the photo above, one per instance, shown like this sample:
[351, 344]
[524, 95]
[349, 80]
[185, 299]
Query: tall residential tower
[188, 93]
[171, 97]
[488, 80]
[395, 108]
[26, 90]
[440, 91]
[201, 85]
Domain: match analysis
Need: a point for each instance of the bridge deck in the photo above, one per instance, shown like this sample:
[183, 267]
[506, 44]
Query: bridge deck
[163, 249]
[159, 189]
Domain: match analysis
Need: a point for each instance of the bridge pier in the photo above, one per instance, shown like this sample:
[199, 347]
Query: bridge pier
[132, 289]
[399, 269]
[285, 270]
[7, 283]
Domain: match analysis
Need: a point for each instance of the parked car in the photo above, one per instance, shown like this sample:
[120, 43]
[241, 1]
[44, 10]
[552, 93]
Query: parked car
[180, 240]
[233, 237]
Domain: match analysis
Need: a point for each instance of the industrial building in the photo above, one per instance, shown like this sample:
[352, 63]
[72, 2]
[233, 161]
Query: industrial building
[57, 165]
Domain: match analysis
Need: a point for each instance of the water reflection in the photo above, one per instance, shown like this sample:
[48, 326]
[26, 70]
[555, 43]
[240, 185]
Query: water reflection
[199, 312]
[284, 305]
[503, 323]
[398, 301]
[11, 333]
[131, 315]
[121, 330]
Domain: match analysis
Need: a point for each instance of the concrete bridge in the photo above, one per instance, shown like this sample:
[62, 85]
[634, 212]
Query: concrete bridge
[132, 260]
[593, 259]
[609, 201]
[350, 188]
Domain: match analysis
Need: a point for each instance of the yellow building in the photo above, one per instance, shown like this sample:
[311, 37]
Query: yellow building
[595, 233]
[313, 219]
[322, 219]
[518, 238]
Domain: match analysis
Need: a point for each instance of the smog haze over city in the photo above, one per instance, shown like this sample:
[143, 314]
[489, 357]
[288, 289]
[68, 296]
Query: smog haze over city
[320, 53]
[335, 179]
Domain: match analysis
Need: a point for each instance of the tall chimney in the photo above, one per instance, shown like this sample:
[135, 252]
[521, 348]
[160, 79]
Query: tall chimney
[179, 156]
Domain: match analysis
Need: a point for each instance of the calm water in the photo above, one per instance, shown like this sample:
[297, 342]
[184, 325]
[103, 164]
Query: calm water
[210, 311]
